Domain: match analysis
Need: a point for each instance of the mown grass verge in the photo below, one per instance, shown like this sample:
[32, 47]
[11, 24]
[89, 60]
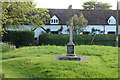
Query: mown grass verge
[38, 62]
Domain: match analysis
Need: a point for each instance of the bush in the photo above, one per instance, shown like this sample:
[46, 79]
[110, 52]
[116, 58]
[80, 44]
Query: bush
[6, 47]
[19, 38]
[53, 39]
[63, 39]
[119, 40]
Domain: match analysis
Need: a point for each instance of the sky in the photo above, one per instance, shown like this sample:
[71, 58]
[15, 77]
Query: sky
[64, 4]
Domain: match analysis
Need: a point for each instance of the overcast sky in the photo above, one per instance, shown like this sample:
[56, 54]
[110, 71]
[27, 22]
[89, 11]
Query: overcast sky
[63, 4]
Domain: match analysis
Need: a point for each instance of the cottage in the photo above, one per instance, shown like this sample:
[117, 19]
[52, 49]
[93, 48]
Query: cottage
[99, 21]
[103, 21]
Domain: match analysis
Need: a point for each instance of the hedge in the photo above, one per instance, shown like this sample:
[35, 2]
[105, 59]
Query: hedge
[118, 40]
[19, 38]
[63, 39]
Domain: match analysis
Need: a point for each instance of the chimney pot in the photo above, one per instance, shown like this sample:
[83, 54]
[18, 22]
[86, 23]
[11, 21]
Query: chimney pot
[70, 7]
[98, 7]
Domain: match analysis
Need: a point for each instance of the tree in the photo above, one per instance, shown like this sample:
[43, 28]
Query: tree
[91, 5]
[78, 23]
[21, 13]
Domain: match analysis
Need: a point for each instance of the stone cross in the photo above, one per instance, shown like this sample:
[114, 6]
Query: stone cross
[71, 32]
[70, 45]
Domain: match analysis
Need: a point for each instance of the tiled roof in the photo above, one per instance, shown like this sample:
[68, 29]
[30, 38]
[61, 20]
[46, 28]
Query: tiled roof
[94, 17]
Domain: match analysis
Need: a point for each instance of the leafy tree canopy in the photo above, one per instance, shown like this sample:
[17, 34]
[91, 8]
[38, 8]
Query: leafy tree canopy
[78, 23]
[21, 13]
[91, 5]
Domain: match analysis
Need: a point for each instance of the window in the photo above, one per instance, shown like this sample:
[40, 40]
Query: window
[54, 32]
[111, 20]
[86, 32]
[54, 20]
[51, 21]
[111, 32]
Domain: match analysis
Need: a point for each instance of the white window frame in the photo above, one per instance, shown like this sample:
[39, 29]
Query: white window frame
[54, 20]
[112, 20]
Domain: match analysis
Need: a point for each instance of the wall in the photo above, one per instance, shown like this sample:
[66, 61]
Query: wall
[90, 27]
[38, 31]
[57, 27]
[108, 28]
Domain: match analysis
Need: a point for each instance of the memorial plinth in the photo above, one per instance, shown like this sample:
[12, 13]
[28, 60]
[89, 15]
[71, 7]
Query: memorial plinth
[71, 49]
[70, 45]
[72, 58]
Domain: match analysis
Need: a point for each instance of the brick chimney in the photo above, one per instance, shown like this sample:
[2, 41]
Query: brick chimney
[98, 7]
[70, 7]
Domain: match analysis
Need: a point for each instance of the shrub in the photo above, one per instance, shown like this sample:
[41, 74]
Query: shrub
[19, 38]
[53, 39]
[63, 39]
[6, 47]
[119, 40]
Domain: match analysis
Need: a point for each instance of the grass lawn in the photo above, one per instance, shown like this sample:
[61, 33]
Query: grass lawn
[38, 62]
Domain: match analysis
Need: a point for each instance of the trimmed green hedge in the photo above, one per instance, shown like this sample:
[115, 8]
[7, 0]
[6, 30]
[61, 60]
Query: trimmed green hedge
[53, 39]
[119, 40]
[19, 38]
[63, 39]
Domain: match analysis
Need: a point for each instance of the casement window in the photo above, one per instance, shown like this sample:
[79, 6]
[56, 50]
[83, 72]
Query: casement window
[111, 20]
[54, 20]
[86, 32]
[111, 32]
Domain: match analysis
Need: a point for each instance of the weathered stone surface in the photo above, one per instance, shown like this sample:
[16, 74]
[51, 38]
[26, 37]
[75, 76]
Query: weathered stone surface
[70, 50]
[71, 58]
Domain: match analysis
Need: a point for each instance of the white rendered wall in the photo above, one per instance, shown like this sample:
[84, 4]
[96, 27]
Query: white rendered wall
[108, 28]
[90, 27]
[39, 30]
[22, 28]
[56, 28]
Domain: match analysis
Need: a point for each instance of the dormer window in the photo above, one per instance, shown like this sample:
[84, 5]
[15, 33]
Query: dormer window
[111, 20]
[51, 21]
[54, 20]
